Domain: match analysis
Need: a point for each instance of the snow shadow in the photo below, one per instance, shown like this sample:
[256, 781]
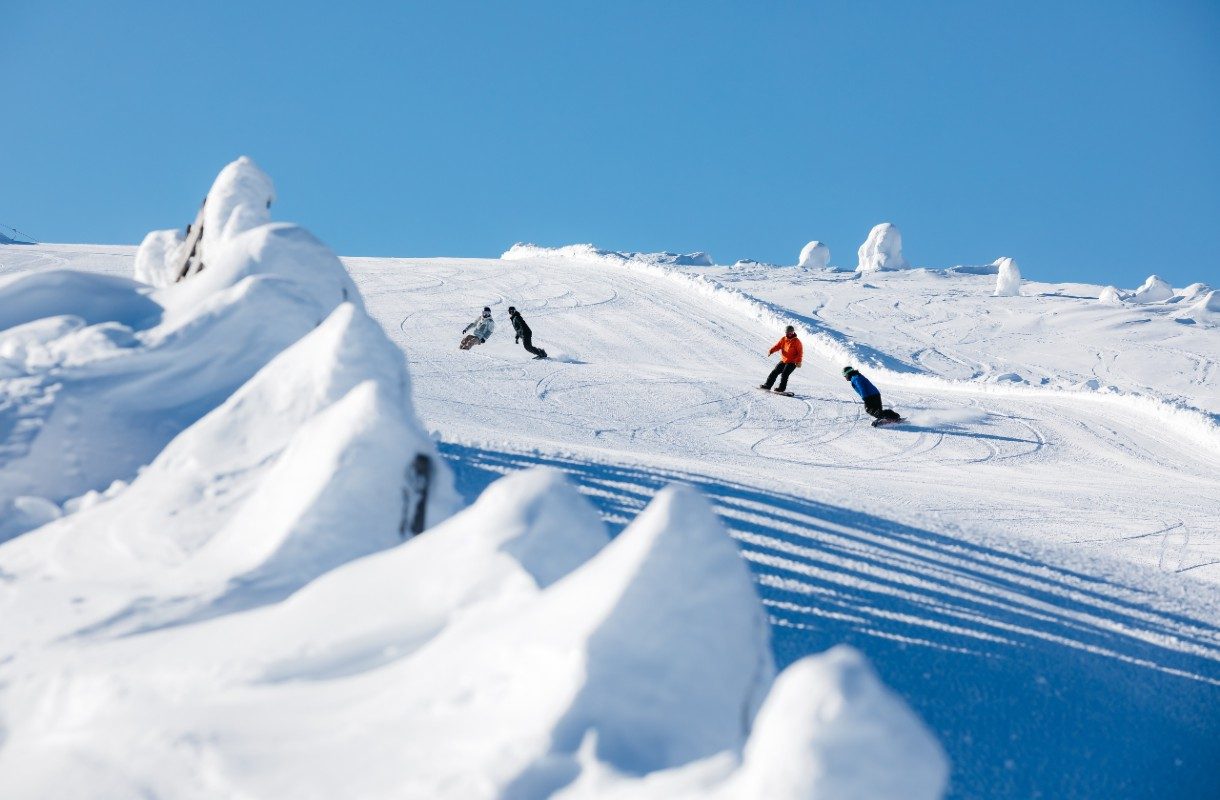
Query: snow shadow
[1041, 680]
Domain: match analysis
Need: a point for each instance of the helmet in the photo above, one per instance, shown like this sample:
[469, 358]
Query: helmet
[847, 371]
[486, 311]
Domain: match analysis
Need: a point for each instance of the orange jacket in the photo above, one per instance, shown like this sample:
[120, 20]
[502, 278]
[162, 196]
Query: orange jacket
[790, 350]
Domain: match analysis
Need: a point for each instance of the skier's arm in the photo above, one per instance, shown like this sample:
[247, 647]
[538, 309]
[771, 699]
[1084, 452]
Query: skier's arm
[468, 327]
[800, 353]
[778, 345]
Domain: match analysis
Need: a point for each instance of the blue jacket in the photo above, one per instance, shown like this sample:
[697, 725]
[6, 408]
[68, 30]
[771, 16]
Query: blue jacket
[862, 386]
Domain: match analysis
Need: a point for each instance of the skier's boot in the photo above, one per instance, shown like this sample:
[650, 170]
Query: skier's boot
[540, 355]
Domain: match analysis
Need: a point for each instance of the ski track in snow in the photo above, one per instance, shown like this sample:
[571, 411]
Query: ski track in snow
[1043, 562]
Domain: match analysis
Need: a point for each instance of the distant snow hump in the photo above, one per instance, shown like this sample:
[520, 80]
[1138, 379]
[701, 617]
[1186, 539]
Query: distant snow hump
[587, 252]
[882, 249]
[814, 255]
[1008, 278]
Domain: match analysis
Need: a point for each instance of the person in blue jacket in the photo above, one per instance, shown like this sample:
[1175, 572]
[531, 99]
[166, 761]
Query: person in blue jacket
[870, 395]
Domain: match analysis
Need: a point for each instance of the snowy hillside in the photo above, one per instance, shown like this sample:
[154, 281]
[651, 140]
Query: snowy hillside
[205, 487]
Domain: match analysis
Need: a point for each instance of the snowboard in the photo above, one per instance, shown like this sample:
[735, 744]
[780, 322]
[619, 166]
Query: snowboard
[881, 423]
[777, 391]
[469, 341]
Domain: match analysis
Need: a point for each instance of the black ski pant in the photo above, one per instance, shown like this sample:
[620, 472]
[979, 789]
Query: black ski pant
[782, 370]
[872, 404]
[527, 340]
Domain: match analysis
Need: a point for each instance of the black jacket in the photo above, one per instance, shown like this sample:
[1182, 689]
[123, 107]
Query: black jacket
[519, 325]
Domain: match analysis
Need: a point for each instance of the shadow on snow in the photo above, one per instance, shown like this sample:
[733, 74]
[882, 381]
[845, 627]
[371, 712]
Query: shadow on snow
[1039, 680]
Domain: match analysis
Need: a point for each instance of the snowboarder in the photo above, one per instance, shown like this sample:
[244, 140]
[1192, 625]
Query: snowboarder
[871, 397]
[524, 335]
[480, 330]
[790, 353]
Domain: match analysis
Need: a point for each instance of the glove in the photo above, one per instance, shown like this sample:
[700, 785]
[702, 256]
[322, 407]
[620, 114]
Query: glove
[517, 340]
[798, 366]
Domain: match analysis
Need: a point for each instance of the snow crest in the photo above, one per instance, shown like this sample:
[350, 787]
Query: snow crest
[587, 252]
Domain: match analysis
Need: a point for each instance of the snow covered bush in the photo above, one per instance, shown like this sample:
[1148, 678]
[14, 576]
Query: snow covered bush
[1008, 278]
[882, 249]
[1153, 290]
[814, 255]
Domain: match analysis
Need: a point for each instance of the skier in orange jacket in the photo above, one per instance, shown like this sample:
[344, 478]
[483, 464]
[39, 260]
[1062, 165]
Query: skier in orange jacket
[790, 354]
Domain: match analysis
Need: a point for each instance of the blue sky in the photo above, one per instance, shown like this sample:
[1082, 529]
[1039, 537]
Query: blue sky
[1082, 138]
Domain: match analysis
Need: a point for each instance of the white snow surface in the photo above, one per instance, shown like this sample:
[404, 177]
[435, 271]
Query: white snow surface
[1008, 278]
[882, 250]
[1029, 565]
[814, 255]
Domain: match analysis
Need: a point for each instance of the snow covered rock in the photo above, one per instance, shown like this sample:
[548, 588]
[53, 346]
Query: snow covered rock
[882, 249]
[1008, 278]
[157, 257]
[1153, 290]
[1111, 296]
[814, 255]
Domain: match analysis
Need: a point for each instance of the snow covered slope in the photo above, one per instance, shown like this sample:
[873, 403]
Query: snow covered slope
[1031, 564]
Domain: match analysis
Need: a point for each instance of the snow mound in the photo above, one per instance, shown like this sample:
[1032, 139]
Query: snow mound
[1153, 290]
[827, 725]
[749, 263]
[1206, 311]
[1008, 278]
[882, 250]
[93, 299]
[1195, 292]
[1111, 296]
[587, 252]
[814, 255]
[157, 257]
[240, 199]
[508, 652]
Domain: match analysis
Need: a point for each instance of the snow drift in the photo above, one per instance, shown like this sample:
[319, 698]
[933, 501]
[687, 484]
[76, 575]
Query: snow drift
[882, 249]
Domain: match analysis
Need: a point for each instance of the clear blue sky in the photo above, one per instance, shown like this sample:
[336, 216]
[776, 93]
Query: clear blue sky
[1082, 138]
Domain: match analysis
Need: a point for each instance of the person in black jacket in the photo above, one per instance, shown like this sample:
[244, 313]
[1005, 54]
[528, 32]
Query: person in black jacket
[524, 334]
